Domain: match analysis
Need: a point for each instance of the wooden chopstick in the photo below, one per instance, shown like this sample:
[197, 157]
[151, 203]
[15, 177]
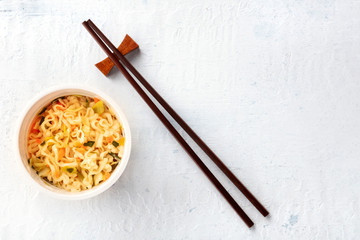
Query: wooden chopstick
[168, 125]
[182, 123]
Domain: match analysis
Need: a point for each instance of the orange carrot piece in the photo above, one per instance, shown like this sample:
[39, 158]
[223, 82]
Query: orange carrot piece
[38, 140]
[82, 150]
[106, 176]
[96, 99]
[34, 122]
[122, 141]
[109, 139]
[61, 153]
[36, 131]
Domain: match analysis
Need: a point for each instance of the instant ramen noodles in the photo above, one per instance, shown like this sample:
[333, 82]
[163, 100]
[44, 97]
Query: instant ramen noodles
[75, 143]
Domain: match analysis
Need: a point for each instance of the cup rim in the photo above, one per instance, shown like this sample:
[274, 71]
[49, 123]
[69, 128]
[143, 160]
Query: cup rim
[61, 193]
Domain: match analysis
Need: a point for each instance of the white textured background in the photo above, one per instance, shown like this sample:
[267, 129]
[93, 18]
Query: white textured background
[272, 86]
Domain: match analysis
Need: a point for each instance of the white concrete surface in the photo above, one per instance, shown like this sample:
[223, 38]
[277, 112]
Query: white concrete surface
[272, 86]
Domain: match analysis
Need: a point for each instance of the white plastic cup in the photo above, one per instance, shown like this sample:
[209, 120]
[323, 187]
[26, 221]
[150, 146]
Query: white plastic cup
[26, 119]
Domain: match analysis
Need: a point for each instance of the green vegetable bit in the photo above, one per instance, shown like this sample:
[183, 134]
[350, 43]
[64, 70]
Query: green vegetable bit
[113, 166]
[114, 155]
[99, 107]
[42, 144]
[41, 121]
[43, 110]
[116, 144]
[69, 169]
[89, 143]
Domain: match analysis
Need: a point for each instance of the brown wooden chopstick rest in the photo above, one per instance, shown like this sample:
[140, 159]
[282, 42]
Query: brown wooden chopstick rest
[127, 45]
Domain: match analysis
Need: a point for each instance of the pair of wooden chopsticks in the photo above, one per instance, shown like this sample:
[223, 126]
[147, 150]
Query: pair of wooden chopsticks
[119, 60]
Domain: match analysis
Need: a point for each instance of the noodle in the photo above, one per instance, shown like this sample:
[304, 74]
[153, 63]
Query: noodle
[75, 143]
